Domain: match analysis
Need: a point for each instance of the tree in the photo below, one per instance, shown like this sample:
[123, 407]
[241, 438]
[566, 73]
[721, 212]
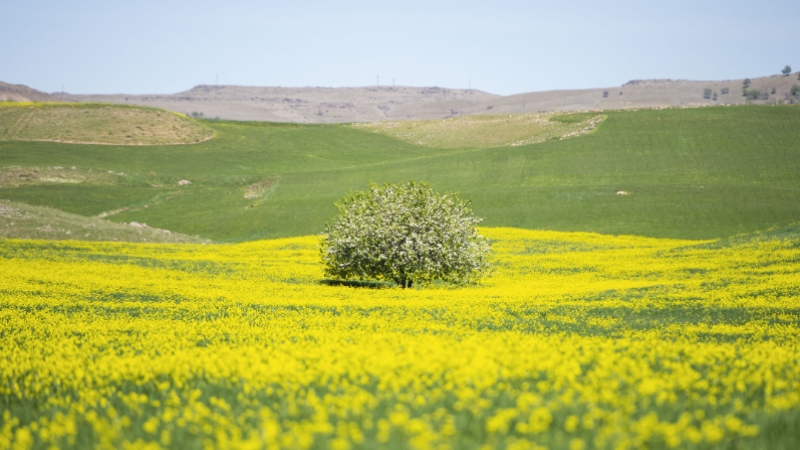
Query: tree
[786, 70]
[752, 94]
[404, 233]
[795, 90]
[746, 83]
[707, 93]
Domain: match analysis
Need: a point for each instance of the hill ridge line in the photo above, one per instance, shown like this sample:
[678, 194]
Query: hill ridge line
[379, 103]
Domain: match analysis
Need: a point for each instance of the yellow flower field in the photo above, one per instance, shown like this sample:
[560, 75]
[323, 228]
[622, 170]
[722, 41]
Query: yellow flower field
[577, 341]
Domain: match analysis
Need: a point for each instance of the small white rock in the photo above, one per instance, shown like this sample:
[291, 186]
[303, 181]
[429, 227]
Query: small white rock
[184, 182]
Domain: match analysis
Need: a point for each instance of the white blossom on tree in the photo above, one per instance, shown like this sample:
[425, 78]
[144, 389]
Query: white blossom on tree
[404, 233]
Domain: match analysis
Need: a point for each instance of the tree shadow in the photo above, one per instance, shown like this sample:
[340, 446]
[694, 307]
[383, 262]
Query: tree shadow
[358, 284]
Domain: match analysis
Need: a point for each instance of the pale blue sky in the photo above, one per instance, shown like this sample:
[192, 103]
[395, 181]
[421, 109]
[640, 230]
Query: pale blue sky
[504, 47]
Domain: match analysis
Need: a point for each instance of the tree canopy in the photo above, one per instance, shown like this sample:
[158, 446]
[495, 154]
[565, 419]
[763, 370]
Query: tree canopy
[404, 233]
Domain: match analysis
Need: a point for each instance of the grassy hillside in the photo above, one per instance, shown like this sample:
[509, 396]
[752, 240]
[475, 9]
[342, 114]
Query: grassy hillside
[684, 173]
[97, 124]
[486, 131]
[20, 220]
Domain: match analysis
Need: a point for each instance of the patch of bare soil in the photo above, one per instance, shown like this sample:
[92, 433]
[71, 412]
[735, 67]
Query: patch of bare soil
[260, 189]
[15, 176]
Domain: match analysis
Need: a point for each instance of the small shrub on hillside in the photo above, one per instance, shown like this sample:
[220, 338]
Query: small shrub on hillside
[724, 91]
[746, 83]
[605, 94]
[707, 93]
[404, 233]
[795, 90]
[751, 94]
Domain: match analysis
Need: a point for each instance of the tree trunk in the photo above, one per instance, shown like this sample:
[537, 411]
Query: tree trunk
[405, 282]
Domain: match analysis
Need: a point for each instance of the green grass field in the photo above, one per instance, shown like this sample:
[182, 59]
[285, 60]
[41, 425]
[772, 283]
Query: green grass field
[687, 173]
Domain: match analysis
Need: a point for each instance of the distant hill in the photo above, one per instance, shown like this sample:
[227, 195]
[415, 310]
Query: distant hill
[22, 93]
[370, 104]
[310, 105]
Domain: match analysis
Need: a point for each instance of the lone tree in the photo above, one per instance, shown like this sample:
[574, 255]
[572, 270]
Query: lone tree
[404, 233]
[786, 71]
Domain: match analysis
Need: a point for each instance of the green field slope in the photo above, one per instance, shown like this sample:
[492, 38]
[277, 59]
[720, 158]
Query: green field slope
[683, 173]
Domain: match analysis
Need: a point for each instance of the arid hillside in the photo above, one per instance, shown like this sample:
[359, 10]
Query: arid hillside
[310, 105]
[90, 123]
[22, 93]
[370, 104]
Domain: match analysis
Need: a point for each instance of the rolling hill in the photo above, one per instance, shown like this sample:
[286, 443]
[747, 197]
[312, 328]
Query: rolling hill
[685, 173]
[90, 123]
